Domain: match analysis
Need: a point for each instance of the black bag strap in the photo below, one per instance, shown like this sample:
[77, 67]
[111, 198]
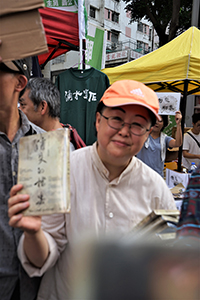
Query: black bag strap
[194, 139]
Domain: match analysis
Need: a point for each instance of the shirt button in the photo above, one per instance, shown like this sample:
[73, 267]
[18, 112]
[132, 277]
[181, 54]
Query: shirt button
[111, 215]
[14, 173]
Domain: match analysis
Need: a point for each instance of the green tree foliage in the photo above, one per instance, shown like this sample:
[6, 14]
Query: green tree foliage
[169, 17]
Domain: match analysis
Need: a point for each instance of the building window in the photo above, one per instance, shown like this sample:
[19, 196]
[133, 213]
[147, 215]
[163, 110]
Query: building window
[150, 32]
[114, 36]
[140, 27]
[140, 46]
[111, 15]
[146, 48]
[107, 14]
[92, 12]
[108, 35]
[145, 29]
[115, 17]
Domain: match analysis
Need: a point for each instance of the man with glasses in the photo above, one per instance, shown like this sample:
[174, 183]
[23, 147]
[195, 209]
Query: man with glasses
[191, 143]
[111, 190]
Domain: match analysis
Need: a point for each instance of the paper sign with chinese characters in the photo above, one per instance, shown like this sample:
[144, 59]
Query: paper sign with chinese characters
[169, 103]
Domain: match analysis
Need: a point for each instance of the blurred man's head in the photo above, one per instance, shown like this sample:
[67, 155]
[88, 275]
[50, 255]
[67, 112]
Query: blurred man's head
[41, 97]
[196, 123]
[135, 269]
[18, 69]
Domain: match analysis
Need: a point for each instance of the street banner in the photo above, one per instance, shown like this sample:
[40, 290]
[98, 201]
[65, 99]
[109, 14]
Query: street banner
[65, 22]
[75, 6]
[96, 47]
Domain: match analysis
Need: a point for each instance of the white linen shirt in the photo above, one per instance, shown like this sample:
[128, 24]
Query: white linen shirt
[191, 145]
[98, 207]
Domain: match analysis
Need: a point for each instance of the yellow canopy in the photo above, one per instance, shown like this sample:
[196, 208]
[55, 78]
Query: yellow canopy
[167, 68]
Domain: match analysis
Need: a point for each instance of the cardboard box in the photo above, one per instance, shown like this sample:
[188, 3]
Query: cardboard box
[21, 32]
[14, 6]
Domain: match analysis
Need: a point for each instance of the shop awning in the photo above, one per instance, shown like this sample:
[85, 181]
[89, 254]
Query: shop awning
[62, 32]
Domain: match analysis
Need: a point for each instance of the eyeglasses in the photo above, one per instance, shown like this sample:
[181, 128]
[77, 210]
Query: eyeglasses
[117, 123]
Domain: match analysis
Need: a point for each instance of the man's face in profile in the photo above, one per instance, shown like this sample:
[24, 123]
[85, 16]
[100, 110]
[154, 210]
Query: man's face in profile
[27, 106]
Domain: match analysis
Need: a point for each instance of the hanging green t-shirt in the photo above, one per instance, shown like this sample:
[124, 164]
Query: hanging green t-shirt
[80, 92]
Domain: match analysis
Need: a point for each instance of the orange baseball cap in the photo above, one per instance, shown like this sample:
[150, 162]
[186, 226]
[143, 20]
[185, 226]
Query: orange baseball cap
[131, 92]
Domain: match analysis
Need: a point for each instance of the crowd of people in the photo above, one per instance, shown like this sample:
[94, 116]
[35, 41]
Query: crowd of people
[111, 189]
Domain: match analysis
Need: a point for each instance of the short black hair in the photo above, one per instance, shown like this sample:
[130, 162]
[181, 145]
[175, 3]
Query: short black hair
[195, 118]
[101, 106]
[165, 119]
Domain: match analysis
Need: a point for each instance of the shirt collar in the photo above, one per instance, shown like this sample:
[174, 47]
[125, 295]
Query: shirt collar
[104, 171]
[24, 122]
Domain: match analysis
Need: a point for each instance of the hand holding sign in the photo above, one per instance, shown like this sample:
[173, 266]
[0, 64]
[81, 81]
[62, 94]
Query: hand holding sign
[178, 117]
[169, 103]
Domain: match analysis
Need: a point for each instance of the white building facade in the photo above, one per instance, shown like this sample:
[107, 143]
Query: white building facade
[125, 41]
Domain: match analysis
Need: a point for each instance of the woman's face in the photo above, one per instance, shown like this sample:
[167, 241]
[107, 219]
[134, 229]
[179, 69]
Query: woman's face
[158, 126]
[117, 147]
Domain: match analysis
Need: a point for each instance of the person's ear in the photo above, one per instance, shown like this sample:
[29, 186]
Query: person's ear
[148, 133]
[43, 107]
[21, 82]
[98, 118]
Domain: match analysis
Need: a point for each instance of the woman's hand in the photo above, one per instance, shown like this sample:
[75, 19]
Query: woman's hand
[178, 117]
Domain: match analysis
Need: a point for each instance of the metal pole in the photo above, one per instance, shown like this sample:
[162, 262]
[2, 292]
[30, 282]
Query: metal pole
[195, 13]
[81, 52]
[84, 49]
[183, 109]
[152, 39]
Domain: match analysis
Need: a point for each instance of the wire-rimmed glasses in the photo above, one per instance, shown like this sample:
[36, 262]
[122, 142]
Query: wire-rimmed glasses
[117, 123]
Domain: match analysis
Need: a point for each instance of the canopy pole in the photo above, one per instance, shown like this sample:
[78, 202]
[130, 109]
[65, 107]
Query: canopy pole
[50, 56]
[82, 49]
[182, 109]
[81, 53]
[195, 13]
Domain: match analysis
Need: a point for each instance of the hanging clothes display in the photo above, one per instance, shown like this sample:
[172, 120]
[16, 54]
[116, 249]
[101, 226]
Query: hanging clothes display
[80, 92]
